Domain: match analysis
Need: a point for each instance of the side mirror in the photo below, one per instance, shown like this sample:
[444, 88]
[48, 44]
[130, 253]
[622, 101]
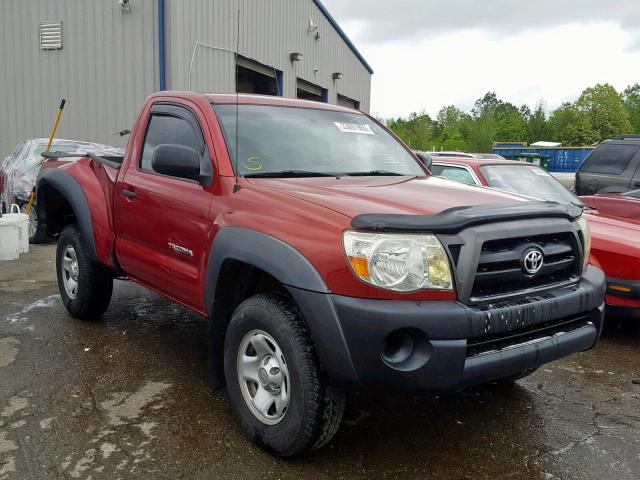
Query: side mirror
[425, 159]
[176, 161]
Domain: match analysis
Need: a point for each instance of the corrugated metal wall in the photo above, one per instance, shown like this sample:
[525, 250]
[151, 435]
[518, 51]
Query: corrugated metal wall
[106, 68]
[109, 61]
[269, 31]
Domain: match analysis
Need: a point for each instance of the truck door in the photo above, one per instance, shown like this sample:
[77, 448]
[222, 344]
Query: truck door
[163, 222]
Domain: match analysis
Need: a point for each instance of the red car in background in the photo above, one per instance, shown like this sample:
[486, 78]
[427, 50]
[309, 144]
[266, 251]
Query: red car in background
[615, 239]
[625, 205]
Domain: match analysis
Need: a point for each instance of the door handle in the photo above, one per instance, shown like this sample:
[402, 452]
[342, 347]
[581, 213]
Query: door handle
[128, 193]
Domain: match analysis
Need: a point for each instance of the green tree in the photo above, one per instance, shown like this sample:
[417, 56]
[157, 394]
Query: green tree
[416, 131]
[511, 124]
[570, 127]
[489, 103]
[450, 129]
[537, 125]
[600, 112]
[482, 132]
[602, 108]
[631, 100]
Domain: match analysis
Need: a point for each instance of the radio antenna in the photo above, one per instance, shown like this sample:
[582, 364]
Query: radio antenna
[236, 185]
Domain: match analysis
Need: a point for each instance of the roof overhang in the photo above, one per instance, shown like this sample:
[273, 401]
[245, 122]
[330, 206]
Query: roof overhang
[349, 43]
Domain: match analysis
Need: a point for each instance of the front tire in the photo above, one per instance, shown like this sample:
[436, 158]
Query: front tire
[278, 392]
[85, 285]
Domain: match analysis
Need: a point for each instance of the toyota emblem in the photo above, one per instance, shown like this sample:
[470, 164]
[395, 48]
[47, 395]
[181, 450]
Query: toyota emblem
[532, 261]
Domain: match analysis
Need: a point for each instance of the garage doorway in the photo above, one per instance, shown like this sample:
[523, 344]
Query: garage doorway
[309, 91]
[254, 77]
[348, 102]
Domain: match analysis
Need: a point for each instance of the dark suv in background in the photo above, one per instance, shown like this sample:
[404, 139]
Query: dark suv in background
[612, 167]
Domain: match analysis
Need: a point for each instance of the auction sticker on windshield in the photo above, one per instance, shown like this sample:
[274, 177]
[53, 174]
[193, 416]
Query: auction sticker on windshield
[354, 128]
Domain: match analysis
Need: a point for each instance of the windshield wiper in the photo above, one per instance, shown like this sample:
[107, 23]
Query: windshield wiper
[376, 173]
[289, 174]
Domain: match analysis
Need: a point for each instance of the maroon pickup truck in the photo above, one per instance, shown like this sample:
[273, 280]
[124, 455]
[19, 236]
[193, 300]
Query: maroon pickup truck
[325, 256]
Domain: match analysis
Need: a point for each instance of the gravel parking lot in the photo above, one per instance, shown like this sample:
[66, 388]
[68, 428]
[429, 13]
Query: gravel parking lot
[126, 397]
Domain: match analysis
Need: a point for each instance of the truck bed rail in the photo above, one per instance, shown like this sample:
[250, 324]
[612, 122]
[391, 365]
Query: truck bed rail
[110, 161]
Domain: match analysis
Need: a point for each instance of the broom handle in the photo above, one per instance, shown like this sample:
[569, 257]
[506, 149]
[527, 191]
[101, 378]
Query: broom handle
[32, 197]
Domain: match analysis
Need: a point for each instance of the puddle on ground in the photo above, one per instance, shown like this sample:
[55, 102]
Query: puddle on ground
[128, 406]
[8, 350]
[22, 315]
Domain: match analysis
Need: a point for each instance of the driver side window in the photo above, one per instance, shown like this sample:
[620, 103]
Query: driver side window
[168, 129]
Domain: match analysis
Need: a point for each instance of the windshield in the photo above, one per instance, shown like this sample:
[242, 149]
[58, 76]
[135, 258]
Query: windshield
[307, 141]
[527, 180]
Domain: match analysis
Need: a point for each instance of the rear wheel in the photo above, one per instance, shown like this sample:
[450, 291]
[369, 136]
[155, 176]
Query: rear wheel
[37, 231]
[85, 285]
[278, 392]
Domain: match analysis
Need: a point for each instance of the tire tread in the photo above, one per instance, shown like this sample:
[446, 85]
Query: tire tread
[96, 280]
[325, 400]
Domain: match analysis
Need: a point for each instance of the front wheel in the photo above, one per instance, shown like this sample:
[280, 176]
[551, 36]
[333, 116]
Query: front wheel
[278, 392]
[85, 285]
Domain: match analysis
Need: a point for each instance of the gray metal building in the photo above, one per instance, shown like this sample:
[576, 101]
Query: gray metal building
[106, 56]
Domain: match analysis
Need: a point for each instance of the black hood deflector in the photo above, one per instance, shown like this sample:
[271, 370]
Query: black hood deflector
[455, 219]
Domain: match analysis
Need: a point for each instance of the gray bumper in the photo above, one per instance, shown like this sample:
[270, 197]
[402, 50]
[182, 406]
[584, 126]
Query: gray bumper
[452, 345]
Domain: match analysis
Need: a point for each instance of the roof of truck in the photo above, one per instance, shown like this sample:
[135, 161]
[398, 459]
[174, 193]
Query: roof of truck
[249, 99]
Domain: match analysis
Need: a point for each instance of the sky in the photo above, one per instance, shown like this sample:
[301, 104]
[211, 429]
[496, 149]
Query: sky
[429, 53]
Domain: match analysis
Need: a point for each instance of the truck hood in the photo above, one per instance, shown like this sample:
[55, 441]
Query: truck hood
[353, 196]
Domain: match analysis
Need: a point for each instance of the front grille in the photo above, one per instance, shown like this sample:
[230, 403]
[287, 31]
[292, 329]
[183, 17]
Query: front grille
[486, 343]
[500, 272]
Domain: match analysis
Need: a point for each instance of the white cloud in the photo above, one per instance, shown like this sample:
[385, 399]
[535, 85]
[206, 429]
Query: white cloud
[391, 20]
[461, 53]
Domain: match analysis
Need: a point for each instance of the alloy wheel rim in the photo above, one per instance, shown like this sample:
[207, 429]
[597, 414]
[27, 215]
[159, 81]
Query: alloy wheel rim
[33, 220]
[70, 271]
[264, 377]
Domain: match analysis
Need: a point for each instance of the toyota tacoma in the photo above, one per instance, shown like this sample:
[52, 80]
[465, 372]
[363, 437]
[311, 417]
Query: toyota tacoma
[325, 256]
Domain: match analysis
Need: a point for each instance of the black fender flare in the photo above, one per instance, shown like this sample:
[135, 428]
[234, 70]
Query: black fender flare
[265, 252]
[70, 189]
[300, 278]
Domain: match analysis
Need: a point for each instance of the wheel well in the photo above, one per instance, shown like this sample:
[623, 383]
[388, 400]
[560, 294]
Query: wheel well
[55, 209]
[237, 282]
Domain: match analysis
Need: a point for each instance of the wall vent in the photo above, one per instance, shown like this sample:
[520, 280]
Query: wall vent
[51, 35]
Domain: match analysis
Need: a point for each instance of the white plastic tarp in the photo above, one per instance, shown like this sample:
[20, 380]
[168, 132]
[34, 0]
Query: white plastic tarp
[22, 167]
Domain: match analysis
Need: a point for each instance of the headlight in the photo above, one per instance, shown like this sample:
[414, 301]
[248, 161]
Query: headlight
[586, 235]
[398, 262]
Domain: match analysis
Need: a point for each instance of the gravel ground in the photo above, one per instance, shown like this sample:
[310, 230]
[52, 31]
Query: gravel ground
[126, 397]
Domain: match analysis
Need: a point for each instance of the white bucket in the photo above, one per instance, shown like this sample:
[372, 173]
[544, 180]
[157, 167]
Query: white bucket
[22, 221]
[9, 239]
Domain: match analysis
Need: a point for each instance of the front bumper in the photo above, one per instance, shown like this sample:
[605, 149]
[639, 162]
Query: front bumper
[446, 345]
